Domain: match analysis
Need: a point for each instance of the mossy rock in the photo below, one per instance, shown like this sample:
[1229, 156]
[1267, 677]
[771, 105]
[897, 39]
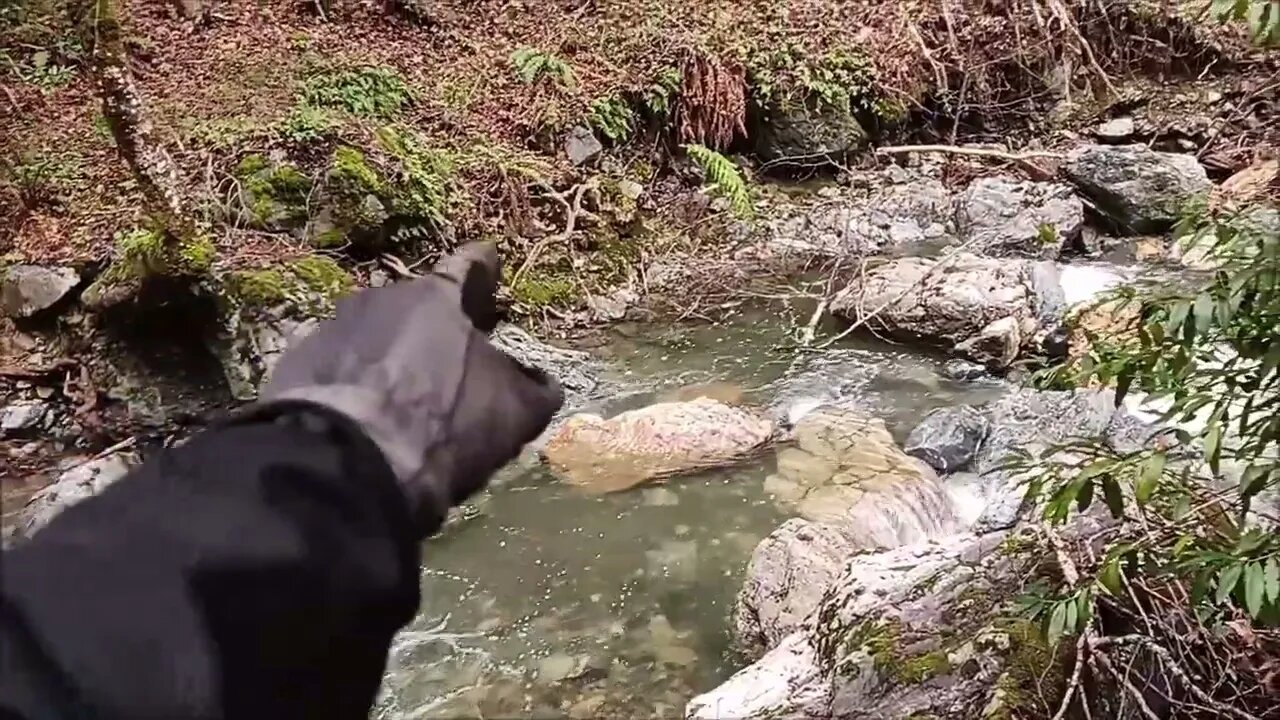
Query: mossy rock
[808, 133]
[273, 196]
[142, 254]
[306, 286]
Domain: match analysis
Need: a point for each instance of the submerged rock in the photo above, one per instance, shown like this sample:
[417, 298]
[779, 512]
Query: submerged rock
[984, 308]
[27, 289]
[576, 371]
[1142, 190]
[808, 135]
[948, 438]
[654, 442]
[80, 482]
[1001, 216]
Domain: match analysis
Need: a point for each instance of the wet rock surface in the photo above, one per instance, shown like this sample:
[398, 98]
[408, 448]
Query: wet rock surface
[1001, 216]
[1142, 190]
[654, 442]
[948, 438]
[73, 486]
[983, 308]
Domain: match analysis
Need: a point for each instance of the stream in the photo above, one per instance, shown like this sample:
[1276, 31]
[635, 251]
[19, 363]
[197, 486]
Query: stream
[548, 602]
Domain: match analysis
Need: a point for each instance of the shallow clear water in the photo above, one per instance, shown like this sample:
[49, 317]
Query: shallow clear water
[552, 603]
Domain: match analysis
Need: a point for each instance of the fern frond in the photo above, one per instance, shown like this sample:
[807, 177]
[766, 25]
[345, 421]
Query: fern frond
[724, 177]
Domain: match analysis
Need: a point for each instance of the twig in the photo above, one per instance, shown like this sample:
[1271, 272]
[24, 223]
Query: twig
[1134, 692]
[1023, 159]
[397, 266]
[806, 335]
[1191, 684]
[573, 208]
[1082, 647]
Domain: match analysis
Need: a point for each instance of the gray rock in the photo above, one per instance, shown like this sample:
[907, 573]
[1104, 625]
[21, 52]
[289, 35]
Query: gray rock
[939, 609]
[581, 145]
[1032, 420]
[1002, 217]
[1115, 131]
[948, 438]
[882, 213]
[983, 308]
[1049, 298]
[251, 343]
[27, 289]
[786, 578]
[578, 373]
[1142, 190]
[19, 416]
[808, 135]
[78, 483]
[958, 369]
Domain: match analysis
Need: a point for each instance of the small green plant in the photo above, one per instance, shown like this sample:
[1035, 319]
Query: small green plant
[43, 178]
[659, 97]
[306, 123]
[725, 178]
[424, 187]
[612, 116]
[532, 65]
[788, 75]
[1262, 17]
[368, 91]
[43, 69]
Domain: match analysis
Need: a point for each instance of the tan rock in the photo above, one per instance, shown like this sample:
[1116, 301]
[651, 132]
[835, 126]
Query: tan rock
[654, 442]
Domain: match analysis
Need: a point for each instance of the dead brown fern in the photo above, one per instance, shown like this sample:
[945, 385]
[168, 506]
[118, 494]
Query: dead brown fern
[712, 109]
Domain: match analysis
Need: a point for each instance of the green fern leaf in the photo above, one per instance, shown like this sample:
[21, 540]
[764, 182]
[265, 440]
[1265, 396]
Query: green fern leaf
[725, 177]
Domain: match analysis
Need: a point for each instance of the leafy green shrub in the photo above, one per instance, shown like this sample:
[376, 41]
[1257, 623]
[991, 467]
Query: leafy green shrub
[532, 65]
[1189, 548]
[368, 91]
[612, 116]
[306, 123]
[424, 184]
[787, 75]
[43, 178]
[725, 177]
[659, 97]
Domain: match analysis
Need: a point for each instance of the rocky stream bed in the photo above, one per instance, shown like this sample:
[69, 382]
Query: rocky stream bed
[722, 524]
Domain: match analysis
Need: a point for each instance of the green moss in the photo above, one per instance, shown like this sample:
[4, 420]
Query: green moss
[1033, 669]
[323, 275]
[311, 283]
[275, 195]
[542, 291]
[250, 164]
[352, 171]
[913, 671]
[259, 288]
[150, 252]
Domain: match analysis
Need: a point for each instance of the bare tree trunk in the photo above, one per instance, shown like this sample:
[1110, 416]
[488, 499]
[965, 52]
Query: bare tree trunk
[125, 111]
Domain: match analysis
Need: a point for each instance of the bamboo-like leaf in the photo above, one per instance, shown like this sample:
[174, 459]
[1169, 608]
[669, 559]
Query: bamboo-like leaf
[1085, 496]
[1271, 580]
[1227, 579]
[1111, 576]
[1057, 619]
[1114, 497]
[1254, 588]
[1203, 312]
[1149, 478]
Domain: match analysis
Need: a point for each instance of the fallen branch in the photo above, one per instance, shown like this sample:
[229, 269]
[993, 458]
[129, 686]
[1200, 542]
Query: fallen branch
[1192, 684]
[573, 208]
[1023, 159]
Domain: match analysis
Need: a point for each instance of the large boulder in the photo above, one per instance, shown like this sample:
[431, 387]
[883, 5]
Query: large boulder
[855, 490]
[808, 134]
[76, 484]
[654, 442]
[1140, 189]
[1000, 216]
[917, 631]
[948, 438]
[886, 209]
[788, 573]
[576, 371]
[845, 470]
[986, 309]
[27, 289]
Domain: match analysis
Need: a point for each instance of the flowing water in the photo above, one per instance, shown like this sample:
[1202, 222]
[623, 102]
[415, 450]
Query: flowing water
[552, 603]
